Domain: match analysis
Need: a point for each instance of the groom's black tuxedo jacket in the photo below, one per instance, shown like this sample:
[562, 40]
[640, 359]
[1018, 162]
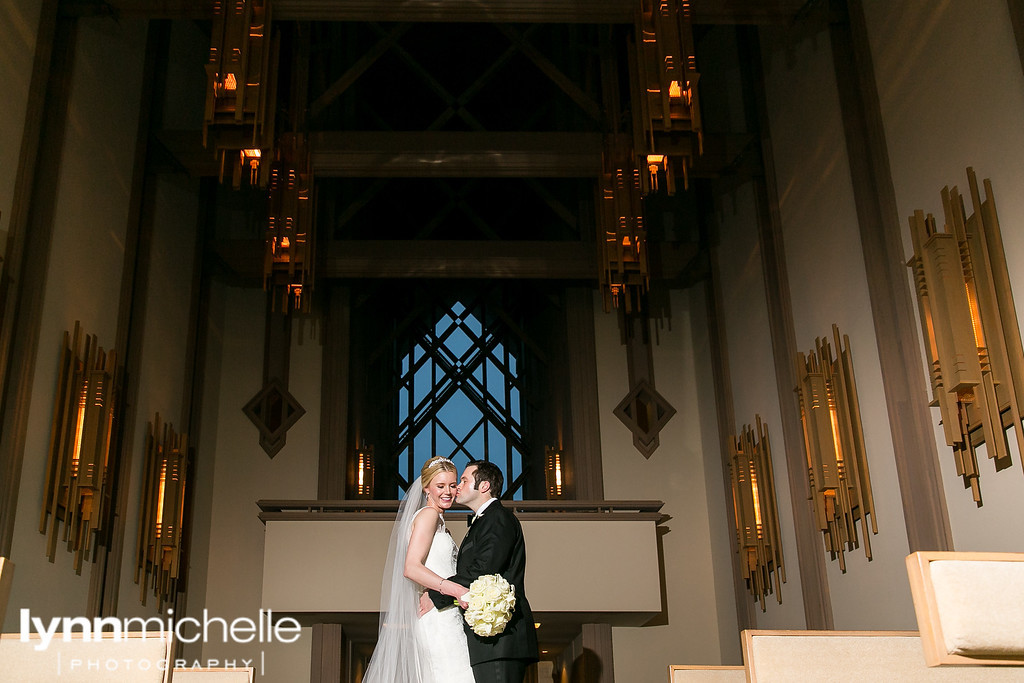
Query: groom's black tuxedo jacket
[494, 545]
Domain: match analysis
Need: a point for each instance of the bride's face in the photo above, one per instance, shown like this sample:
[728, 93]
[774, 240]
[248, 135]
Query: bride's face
[441, 490]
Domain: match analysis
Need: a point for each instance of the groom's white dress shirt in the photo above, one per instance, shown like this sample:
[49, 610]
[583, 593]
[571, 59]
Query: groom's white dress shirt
[483, 507]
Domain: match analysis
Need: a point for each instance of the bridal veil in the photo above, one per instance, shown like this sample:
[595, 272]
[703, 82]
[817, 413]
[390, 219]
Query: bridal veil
[396, 658]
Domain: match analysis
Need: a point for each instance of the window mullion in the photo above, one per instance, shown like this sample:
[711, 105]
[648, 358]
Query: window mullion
[508, 411]
[482, 352]
[432, 424]
[453, 395]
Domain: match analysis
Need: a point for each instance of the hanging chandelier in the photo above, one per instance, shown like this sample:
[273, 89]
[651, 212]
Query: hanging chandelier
[289, 247]
[241, 75]
[624, 276]
[667, 132]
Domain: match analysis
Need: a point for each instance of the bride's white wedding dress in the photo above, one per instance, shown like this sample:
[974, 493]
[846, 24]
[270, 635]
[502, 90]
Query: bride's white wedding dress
[411, 649]
[439, 633]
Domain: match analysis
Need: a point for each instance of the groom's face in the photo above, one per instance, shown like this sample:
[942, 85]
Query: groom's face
[467, 493]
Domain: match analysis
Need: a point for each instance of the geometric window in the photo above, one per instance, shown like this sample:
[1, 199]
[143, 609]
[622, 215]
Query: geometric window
[459, 396]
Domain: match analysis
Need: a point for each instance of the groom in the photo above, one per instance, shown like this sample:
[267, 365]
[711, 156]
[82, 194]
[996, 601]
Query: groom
[493, 545]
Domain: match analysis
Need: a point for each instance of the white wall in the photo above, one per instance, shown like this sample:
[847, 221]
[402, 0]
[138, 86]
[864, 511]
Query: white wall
[747, 339]
[18, 26]
[828, 284]
[162, 367]
[82, 283]
[243, 473]
[720, 535]
[203, 467]
[952, 96]
[676, 473]
[748, 348]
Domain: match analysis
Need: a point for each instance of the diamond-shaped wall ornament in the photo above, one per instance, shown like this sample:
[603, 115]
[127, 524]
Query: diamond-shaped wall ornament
[273, 410]
[644, 411]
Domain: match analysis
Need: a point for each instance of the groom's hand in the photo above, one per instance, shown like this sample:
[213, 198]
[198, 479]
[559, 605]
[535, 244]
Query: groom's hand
[425, 604]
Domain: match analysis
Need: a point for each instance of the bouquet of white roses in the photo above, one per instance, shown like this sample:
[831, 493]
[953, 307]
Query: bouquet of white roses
[491, 600]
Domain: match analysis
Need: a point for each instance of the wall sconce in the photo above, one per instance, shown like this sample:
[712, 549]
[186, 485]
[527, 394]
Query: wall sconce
[363, 477]
[158, 547]
[665, 91]
[970, 329]
[834, 440]
[624, 275]
[757, 516]
[239, 112]
[553, 474]
[289, 255]
[80, 466]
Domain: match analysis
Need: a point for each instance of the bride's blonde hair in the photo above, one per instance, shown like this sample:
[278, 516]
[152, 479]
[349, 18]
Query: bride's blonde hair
[433, 467]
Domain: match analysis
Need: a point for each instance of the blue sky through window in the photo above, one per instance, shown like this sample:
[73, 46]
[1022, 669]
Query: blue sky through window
[459, 398]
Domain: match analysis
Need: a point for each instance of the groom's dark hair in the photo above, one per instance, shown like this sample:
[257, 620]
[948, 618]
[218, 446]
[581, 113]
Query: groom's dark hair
[491, 473]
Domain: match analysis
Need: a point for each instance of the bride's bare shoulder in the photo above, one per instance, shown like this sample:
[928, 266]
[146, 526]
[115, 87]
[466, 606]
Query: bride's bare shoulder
[427, 514]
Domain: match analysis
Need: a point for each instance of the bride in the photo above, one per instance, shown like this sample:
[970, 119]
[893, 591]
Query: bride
[411, 649]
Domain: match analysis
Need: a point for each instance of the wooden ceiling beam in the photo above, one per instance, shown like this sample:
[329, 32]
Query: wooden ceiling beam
[386, 42]
[429, 259]
[440, 154]
[467, 259]
[456, 155]
[459, 259]
[372, 154]
[489, 11]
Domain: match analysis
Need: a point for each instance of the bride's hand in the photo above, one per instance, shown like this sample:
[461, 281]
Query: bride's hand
[425, 604]
[461, 595]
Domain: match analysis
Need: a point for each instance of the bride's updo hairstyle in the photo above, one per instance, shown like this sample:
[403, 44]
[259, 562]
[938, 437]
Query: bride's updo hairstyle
[433, 467]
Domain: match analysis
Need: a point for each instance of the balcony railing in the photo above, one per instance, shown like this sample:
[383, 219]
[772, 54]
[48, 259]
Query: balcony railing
[295, 510]
[588, 561]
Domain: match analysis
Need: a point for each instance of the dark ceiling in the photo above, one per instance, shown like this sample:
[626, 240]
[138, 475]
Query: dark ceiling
[473, 121]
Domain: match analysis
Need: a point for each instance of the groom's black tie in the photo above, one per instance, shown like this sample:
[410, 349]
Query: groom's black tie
[470, 519]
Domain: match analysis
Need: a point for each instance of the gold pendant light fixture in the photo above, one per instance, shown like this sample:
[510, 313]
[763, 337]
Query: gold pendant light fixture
[667, 131]
[622, 235]
[289, 254]
[241, 72]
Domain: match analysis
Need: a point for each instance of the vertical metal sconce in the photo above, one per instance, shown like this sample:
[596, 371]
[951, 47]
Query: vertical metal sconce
[363, 483]
[834, 439]
[158, 547]
[239, 113]
[80, 463]
[970, 329]
[624, 275]
[668, 127]
[759, 541]
[553, 474]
